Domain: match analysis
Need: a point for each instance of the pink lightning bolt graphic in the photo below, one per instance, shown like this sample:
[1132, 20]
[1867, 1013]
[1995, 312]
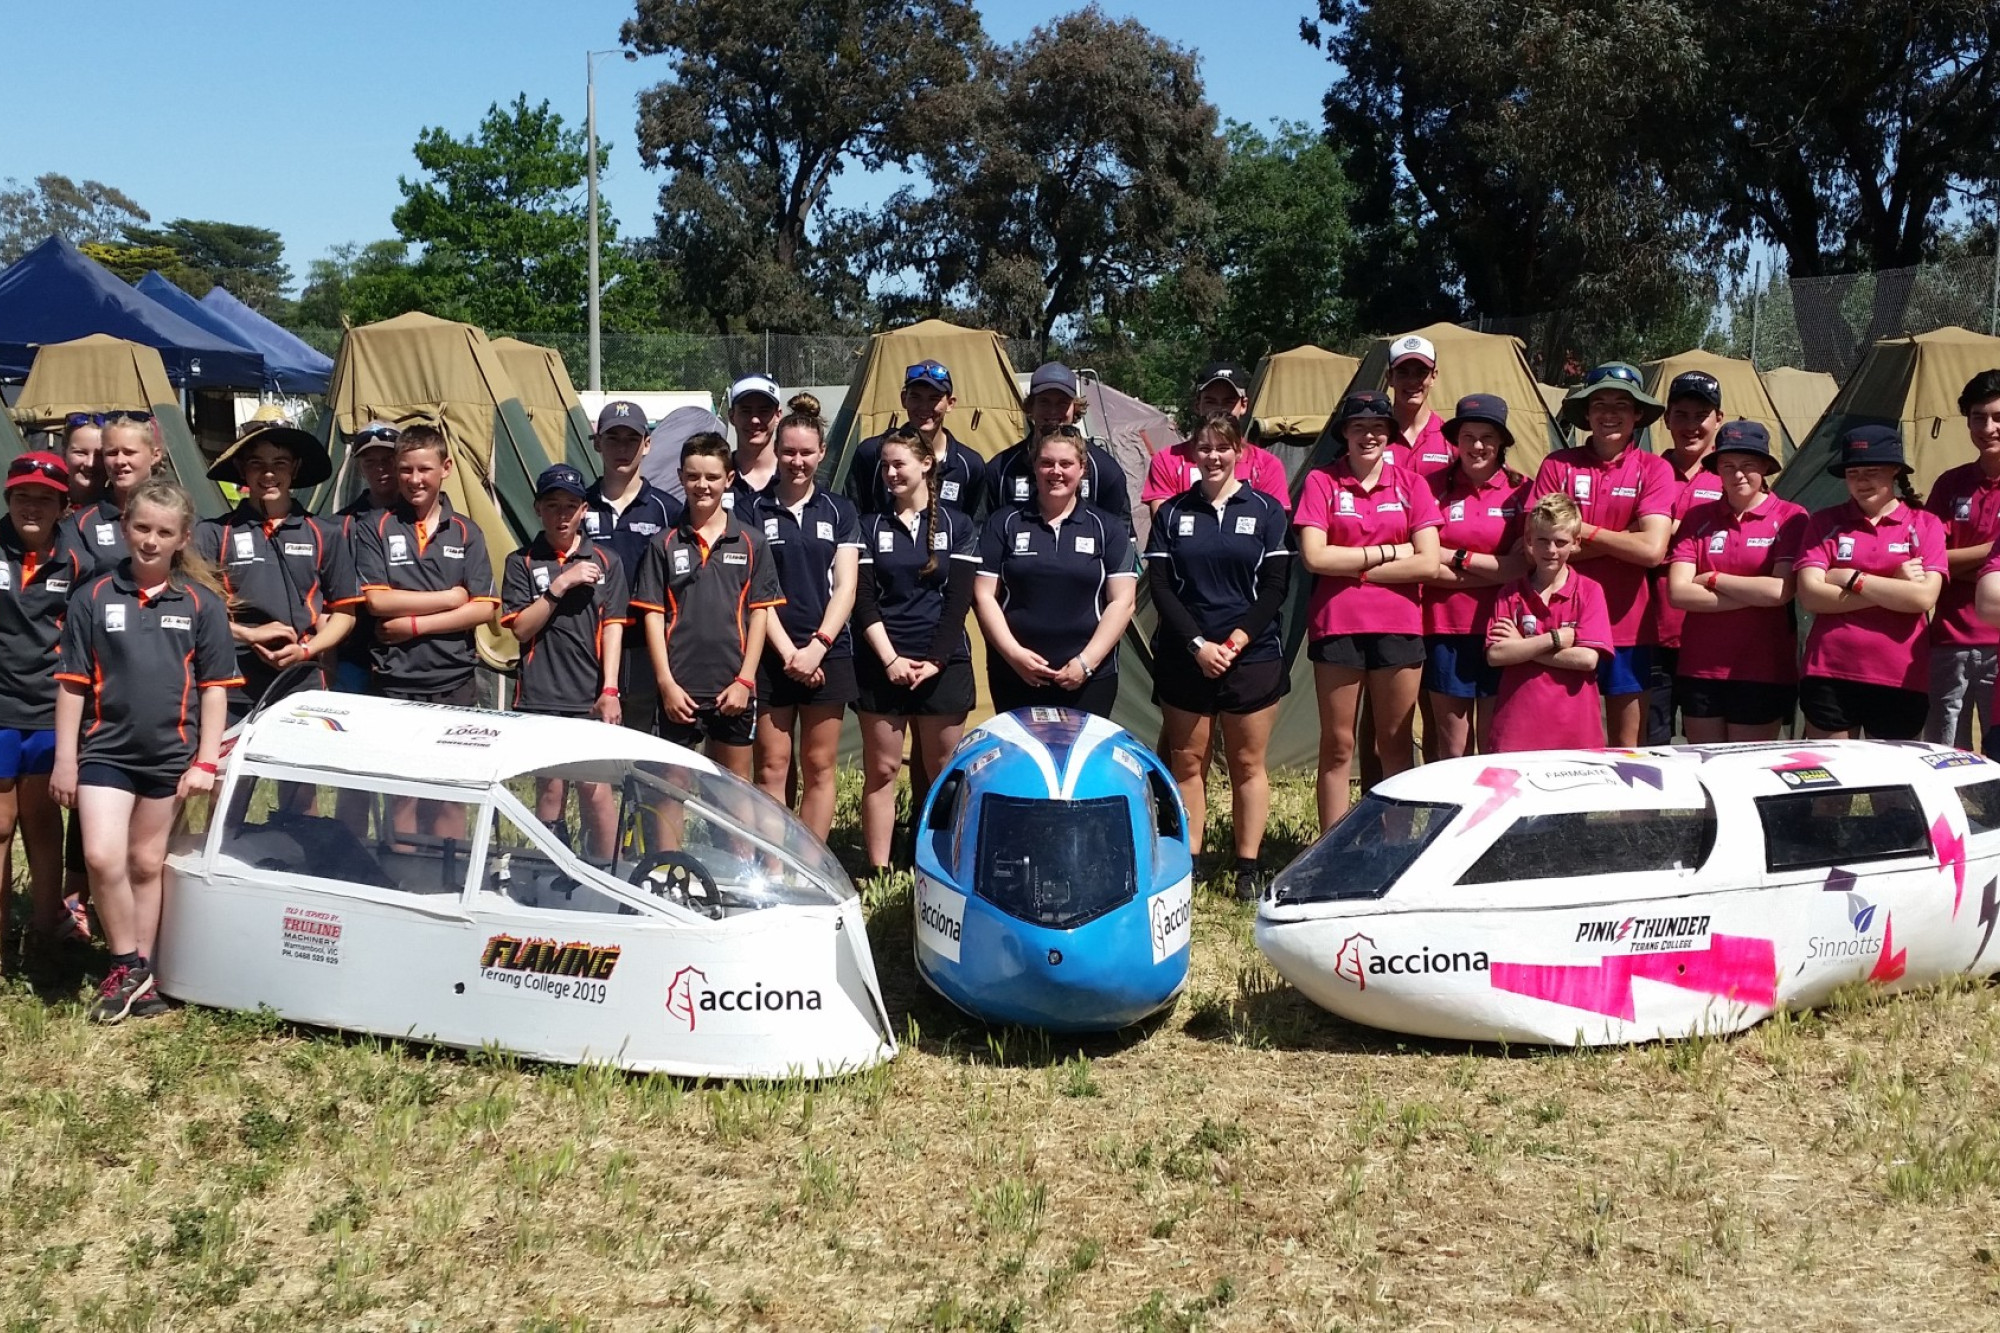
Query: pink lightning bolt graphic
[1504, 783]
[1889, 964]
[1950, 848]
[1733, 967]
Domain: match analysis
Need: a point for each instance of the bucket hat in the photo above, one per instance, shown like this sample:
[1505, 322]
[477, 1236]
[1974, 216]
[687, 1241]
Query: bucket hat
[1619, 375]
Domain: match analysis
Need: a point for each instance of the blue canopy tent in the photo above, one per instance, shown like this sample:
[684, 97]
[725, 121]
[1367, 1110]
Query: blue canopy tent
[55, 293]
[160, 289]
[296, 365]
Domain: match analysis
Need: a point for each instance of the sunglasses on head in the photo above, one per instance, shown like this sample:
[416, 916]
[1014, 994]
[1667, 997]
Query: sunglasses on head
[385, 434]
[38, 467]
[928, 370]
[1622, 374]
[76, 419]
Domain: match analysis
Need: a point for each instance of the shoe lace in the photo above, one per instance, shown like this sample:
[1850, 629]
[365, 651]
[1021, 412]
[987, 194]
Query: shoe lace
[115, 980]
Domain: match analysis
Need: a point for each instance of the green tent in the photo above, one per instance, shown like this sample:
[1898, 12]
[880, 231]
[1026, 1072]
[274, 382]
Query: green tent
[1744, 397]
[543, 382]
[1801, 397]
[1911, 383]
[12, 444]
[100, 373]
[986, 414]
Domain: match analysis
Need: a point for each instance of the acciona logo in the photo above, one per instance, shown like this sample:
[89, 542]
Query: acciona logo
[1358, 961]
[692, 998]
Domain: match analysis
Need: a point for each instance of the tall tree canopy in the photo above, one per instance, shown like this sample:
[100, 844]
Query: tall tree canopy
[1283, 242]
[53, 203]
[769, 100]
[249, 261]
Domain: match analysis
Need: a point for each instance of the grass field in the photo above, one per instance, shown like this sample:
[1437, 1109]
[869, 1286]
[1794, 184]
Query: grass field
[1248, 1162]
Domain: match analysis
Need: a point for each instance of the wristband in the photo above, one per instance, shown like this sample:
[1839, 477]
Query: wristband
[825, 641]
[1088, 670]
[749, 685]
[1854, 584]
[204, 766]
[1556, 639]
[551, 596]
[1709, 582]
[611, 690]
[1459, 558]
[414, 633]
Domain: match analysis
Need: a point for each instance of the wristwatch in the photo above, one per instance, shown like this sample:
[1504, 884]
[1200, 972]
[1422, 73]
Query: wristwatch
[1197, 643]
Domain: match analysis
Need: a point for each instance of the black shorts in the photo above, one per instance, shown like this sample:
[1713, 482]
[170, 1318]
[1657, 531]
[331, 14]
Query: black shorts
[465, 694]
[709, 725]
[775, 689]
[1009, 691]
[1247, 687]
[1882, 712]
[1368, 652]
[1740, 703]
[145, 786]
[950, 693]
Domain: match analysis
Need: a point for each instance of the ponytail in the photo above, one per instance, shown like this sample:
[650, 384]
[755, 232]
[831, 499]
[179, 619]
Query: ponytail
[1908, 493]
[930, 553]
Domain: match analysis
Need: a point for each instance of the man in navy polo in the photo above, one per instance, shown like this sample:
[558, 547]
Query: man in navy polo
[1053, 400]
[625, 513]
[960, 478]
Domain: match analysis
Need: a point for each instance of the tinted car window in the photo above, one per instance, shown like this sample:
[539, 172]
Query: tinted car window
[1573, 844]
[1808, 829]
[1365, 853]
[1056, 863]
[1982, 805]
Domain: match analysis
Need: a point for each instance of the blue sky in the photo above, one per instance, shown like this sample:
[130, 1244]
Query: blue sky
[300, 117]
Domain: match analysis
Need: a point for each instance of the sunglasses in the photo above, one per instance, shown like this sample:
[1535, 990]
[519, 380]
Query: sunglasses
[928, 370]
[76, 419]
[1622, 374]
[38, 467]
[385, 434]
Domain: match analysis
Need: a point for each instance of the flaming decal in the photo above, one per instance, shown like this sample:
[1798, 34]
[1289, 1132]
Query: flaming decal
[1989, 912]
[1889, 963]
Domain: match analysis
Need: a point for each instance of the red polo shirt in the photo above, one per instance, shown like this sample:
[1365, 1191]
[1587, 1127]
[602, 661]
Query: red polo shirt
[1967, 503]
[1702, 488]
[1486, 519]
[1637, 484]
[1873, 645]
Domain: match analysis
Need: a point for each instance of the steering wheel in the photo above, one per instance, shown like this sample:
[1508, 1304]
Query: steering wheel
[674, 876]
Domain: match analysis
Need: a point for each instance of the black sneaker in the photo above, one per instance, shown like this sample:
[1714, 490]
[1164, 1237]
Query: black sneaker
[125, 987]
[1249, 886]
[150, 1005]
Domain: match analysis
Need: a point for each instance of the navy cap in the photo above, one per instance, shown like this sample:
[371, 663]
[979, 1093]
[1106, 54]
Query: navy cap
[622, 412]
[1696, 384]
[928, 372]
[1869, 446]
[1227, 371]
[1364, 405]
[1052, 375]
[1742, 437]
[562, 477]
[1488, 407]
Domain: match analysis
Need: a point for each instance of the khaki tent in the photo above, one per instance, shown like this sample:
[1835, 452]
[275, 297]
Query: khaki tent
[543, 382]
[100, 373]
[1295, 392]
[1911, 383]
[987, 413]
[1801, 397]
[1554, 398]
[1743, 394]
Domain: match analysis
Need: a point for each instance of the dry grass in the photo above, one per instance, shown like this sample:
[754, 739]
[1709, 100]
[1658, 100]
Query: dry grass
[1248, 1163]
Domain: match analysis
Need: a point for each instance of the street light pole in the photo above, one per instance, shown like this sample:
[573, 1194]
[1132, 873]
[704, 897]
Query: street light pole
[590, 171]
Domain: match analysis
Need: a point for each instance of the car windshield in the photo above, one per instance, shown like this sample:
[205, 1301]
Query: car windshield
[1055, 863]
[1365, 853]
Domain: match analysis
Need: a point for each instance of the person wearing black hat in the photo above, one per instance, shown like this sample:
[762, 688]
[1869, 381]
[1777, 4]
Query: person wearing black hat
[290, 576]
[1730, 576]
[1966, 499]
[1479, 499]
[1219, 387]
[1869, 572]
[1693, 416]
[1367, 532]
[959, 482]
[1626, 495]
[1054, 400]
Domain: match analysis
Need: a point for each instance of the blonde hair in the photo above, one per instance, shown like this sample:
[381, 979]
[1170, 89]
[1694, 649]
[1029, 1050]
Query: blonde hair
[188, 562]
[1063, 434]
[1558, 512]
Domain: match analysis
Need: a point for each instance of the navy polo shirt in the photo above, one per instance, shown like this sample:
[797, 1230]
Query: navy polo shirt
[910, 602]
[1053, 577]
[1215, 558]
[142, 664]
[803, 546]
[627, 535]
[360, 640]
[959, 478]
[707, 594]
[562, 668]
[1010, 480]
[291, 572]
[34, 594]
[390, 551]
[97, 534]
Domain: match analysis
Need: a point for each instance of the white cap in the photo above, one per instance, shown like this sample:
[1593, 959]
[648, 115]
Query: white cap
[1410, 345]
[762, 384]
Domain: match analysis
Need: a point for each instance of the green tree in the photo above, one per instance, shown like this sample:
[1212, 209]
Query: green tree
[769, 100]
[360, 284]
[129, 263]
[1282, 241]
[53, 203]
[249, 261]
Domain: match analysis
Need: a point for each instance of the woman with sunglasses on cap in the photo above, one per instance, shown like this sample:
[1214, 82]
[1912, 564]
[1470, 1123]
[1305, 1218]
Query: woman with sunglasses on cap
[1869, 571]
[289, 576]
[129, 457]
[1479, 499]
[38, 573]
[1626, 496]
[919, 560]
[1218, 565]
[959, 481]
[805, 677]
[1730, 576]
[1055, 591]
[1367, 531]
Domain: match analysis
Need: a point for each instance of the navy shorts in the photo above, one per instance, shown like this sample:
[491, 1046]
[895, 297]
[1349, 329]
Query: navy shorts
[1881, 712]
[1367, 652]
[145, 786]
[26, 754]
[710, 725]
[351, 677]
[1739, 703]
[1626, 671]
[1455, 666]
[775, 689]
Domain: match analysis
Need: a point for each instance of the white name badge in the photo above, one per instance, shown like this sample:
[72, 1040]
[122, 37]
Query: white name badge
[825, 531]
[176, 622]
[643, 529]
[1625, 492]
[948, 491]
[1246, 526]
[1389, 507]
[53, 585]
[1185, 528]
[1086, 546]
[735, 557]
[454, 553]
[885, 541]
[114, 618]
[1899, 548]
[299, 548]
[1756, 542]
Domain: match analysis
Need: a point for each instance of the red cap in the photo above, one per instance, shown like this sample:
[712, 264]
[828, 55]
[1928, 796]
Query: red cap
[39, 469]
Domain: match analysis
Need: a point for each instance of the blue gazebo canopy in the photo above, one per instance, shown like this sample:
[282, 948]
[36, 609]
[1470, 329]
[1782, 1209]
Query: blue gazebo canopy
[296, 365]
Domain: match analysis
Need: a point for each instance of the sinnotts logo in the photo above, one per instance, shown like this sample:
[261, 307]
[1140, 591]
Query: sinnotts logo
[1863, 943]
[505, 953]
[1646, 934]
[690, 998]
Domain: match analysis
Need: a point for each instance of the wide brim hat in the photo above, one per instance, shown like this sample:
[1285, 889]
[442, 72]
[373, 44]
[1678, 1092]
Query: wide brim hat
[1870, 446]
[314, 465]
[1489, 408]
[1615, 376]
[1743, 437]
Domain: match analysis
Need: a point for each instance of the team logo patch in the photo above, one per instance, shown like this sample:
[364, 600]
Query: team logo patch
[1246, 526]
[948, 491]
[591, 522]
[1020, 488]
[940, 541]
[680, 560]
[114, 618]
[825, 531]
[1717, 542]
[399, 549]
[1458, 511]
[729, 500]
[107, 534]
[1961, 508]
[1579, 485]
[1529, 625]
[1185, 528]
[1086, 546]
[885, 541]
[1843, 549]
[542, 578]
[246, 545]
[6, 576]
[1345, 504]
[1021, 540]
[771, 528]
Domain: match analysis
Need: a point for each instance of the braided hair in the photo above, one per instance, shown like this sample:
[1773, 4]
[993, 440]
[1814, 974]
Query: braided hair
[910, 438]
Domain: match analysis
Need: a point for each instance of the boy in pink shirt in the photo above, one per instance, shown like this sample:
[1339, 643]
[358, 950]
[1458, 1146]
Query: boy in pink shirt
[1218, 388]
[1548, 632]
[1412, 376]
[1625, 496]
[1966, 499]
[1694, 415]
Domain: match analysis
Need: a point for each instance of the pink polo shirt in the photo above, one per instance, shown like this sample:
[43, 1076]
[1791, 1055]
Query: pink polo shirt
[1430, 453]
[1637, 484]
[1873, 646]
[1968, 505]
[1397, 505]
[1700, 489]
[1173, 470]
[1485, 519]
[1543, 707]
[1753, 642]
